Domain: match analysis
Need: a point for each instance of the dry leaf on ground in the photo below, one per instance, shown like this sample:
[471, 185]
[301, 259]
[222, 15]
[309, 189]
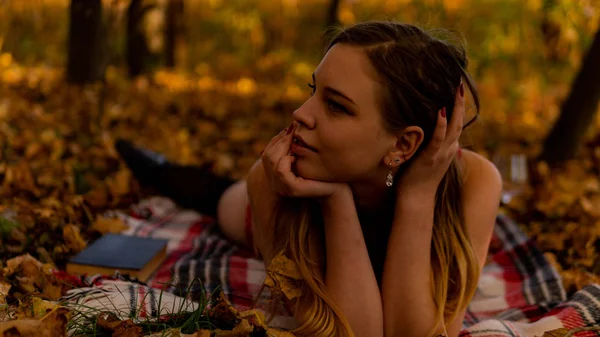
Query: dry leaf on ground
[556, 333]
[119, 328]
[53, 324]
[128, 329]
[4, 289]
[283, 276]
[106, 225]
[73, 239]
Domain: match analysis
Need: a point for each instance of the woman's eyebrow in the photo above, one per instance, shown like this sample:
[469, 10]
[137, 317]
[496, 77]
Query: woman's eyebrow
[338, 93]
[334, 91]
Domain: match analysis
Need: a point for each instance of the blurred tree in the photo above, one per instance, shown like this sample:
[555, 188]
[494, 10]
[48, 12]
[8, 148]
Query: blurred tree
[332, 14]
[174, 27]
[578, 110]
[137, 48]
[86, 47]
[550, 31]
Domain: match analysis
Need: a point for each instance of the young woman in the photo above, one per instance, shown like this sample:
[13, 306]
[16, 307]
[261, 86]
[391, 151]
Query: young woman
[386, 220]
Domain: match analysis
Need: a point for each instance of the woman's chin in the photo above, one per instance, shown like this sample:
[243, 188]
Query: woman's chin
[307, 171]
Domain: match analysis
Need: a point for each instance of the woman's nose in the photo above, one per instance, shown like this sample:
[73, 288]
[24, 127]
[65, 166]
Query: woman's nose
[305, 116]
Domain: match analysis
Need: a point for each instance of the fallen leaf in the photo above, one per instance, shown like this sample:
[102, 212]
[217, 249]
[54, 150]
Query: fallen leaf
[41, 308]
[242, 329]
[119, 185]
[98, 197]
[56, 321]
[108, 320]
[127, 329]
[73, 239]
[106, 225]
[200, 333]
[283, 276]
[4, 289]
[14, 264]
[53, 324]
[30, 267]
[254, 317]
[556, 333]
[23, 178]
[22, 328]
[222, 314]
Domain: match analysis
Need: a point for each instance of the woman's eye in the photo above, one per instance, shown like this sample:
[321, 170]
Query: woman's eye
[336, 107]
[313, 88]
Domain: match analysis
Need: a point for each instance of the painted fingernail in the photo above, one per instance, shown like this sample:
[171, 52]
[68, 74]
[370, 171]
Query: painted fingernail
[444, 112]
[462, 89]
[290, 129]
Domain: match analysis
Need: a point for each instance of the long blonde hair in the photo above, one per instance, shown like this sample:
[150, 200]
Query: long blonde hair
[420, 75]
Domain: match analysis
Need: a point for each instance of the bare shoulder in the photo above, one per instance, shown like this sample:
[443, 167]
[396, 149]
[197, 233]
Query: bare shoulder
[479, 170]
[482, 188]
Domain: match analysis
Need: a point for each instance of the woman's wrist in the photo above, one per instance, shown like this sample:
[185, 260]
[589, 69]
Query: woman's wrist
[417, 199]
[337, 199]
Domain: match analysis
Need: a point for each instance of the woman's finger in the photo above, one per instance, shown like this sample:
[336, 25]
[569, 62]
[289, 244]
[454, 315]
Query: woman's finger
[276, 139]
[282, 147]
[297, 186]
[458, 113]
[287, 177]
[268, 149]
[439, 133]
[284, 169]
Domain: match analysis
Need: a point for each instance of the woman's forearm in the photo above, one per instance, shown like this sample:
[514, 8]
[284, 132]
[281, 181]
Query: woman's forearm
[408, 305]
[349, 275]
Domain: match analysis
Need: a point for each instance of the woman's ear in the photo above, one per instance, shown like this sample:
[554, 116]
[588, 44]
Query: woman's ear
[407, 144]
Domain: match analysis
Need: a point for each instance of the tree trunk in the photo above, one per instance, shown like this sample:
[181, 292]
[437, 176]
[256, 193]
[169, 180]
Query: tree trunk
[85, 47]
[137, 49]
[332, 14]
[577, 112]
[173, 30]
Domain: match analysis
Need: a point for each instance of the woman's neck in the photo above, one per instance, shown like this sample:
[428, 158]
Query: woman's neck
[370, 197]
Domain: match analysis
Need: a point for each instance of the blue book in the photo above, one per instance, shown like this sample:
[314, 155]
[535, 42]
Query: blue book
[130, 255]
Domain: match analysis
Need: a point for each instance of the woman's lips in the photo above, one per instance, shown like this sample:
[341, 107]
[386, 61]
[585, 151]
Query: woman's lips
[298, 145]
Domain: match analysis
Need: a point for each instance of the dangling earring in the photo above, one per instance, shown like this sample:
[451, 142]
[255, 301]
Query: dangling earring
[390, 178]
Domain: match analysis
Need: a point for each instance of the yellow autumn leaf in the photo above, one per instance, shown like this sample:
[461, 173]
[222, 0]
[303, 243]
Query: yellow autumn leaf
[556, 333]
[106, 225]
[119, 185]
[73, 239]
[283, 276]
[42, 307]
[4, 289]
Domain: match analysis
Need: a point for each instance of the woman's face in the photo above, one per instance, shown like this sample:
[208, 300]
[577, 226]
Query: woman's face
[341, 121]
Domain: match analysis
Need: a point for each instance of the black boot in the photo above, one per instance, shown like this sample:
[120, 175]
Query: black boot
[194, 187]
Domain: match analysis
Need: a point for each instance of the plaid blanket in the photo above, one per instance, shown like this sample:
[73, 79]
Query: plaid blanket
[519, 292]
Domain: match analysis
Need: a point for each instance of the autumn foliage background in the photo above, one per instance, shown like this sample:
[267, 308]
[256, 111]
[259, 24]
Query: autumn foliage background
[241, 68]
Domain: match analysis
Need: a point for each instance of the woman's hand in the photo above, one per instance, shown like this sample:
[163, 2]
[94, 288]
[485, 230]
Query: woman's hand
[277, 162]
[425, 172]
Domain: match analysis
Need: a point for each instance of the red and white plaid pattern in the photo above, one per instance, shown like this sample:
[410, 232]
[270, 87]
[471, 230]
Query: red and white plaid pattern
[519, 293]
